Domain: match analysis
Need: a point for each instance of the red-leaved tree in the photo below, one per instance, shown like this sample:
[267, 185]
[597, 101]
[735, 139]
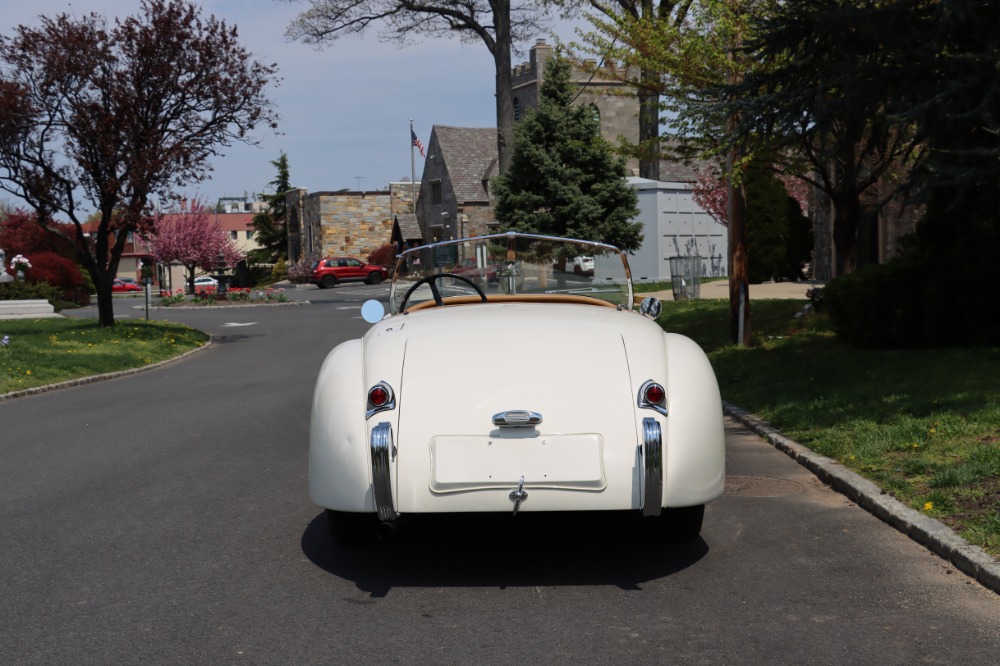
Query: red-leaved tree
[194, 238]
[113, 115]
[21, 233]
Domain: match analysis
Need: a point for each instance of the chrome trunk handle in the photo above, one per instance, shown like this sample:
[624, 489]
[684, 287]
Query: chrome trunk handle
[517, 418]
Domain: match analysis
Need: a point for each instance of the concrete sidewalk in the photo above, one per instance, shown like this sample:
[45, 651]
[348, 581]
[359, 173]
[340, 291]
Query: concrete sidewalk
[720, 289]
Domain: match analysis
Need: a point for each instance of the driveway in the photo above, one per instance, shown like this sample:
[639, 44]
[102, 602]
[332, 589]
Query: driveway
[163, 517]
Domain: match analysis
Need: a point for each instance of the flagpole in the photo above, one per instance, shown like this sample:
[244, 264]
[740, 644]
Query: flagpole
[413, 172]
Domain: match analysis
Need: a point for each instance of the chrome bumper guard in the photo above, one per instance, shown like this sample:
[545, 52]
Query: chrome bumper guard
[651, 459]
[382, 453]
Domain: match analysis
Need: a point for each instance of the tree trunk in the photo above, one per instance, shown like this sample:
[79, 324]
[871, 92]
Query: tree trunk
[105, 304]
[739, 264]
[504, 83]
[739, 269]
[847, 210]
[649, 127]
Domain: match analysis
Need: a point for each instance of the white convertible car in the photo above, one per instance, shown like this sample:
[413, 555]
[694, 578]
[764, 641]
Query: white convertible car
[514, 388]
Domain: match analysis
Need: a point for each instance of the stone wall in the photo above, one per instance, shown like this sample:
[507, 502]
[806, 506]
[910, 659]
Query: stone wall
[350, 223]
[478, 220]
[600, 87]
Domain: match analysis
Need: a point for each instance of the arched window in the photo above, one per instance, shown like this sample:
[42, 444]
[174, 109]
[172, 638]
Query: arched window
[596, 114]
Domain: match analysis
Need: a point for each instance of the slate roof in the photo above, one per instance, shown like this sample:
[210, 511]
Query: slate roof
[470, 154]
[409, 228]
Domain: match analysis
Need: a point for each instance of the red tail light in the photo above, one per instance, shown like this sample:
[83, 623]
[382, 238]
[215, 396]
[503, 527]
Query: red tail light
[379, 396]
[654, 394]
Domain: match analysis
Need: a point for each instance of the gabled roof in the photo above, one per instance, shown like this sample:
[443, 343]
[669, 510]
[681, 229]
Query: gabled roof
[409, 228]
[235, 221]
[470, 154]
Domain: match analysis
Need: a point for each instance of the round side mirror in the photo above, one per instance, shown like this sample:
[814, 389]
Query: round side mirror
[651, 307]
[372, 311]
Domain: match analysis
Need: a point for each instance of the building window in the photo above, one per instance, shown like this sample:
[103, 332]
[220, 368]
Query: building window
[436, 193]
[249, 235]
[234, 235]
[517, 109]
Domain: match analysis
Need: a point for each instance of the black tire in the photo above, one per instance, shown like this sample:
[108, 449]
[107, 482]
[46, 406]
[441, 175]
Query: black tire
[682, 524]
[374, 278]
[351, 529]
[328, 282]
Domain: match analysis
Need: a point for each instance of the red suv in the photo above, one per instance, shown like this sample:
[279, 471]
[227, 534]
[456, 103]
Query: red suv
[328, 272]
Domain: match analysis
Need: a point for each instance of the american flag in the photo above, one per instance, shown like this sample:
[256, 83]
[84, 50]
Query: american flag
[414, 141]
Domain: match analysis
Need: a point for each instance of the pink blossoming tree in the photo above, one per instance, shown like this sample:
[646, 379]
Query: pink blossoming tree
[194, 238]
[711, 194]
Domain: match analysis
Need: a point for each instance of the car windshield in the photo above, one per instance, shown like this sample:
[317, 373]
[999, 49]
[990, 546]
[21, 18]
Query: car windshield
[511, 264]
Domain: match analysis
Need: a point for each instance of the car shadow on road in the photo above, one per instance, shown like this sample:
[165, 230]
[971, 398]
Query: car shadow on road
[503, 551]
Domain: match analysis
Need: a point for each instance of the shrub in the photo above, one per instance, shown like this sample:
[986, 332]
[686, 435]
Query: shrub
[384, 256]
[280, 271]
[15, 291]
[938, 293]
[878, 307]
[300, 271]
[61, 273]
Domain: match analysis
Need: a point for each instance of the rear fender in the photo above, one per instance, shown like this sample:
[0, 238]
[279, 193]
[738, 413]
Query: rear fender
[339, 452]
[695, 446]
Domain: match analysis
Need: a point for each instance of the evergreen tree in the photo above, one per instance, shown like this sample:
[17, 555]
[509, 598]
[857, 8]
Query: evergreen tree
[564, 179]
[779, 237]
[271, 226]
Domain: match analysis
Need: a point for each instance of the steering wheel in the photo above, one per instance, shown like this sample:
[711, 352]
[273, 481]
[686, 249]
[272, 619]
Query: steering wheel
[430, 280]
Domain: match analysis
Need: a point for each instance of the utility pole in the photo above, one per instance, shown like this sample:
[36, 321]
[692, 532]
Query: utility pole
[739, 273]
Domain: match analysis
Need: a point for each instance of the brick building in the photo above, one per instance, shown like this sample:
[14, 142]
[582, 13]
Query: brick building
[344, 223]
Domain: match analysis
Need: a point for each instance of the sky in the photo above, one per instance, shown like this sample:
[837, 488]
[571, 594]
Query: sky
[344, 111]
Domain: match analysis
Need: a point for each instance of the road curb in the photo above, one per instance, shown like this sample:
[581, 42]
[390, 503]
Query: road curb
[930, 533]
[80, 381]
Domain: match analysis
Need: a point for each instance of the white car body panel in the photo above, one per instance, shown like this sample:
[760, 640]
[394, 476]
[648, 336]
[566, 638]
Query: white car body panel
[453, 367]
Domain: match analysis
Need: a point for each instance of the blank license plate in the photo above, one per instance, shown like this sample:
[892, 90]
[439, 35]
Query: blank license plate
[472, 463]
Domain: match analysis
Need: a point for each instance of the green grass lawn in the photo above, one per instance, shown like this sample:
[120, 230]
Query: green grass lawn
[45, 351]
[923, 424]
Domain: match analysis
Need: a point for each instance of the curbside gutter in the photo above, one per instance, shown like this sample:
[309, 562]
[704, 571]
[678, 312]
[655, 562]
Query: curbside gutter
[80, 381]
[928, 532]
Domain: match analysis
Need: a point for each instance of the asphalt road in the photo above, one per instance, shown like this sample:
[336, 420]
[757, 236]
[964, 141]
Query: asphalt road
[163, 518]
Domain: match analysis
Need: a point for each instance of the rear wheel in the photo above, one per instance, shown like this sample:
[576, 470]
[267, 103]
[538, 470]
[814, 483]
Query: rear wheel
[351, 529]
[681, 524]
[328, 282]
[374, 277]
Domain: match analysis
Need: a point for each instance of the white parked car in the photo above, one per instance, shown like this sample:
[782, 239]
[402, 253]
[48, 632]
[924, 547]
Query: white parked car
[581, 264]
[205, 282]
[538, 393]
